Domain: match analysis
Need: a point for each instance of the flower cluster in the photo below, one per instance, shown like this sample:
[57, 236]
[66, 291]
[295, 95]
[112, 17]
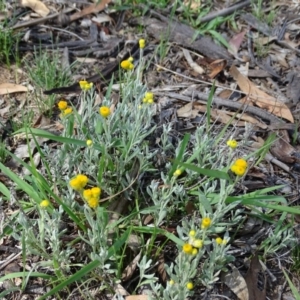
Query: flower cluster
[148, 98]
[85, 86]
[193, 244]
[64, 108]
[127, 64]
[104, 111]
[239, 167]
[91, 196]
[232, 144]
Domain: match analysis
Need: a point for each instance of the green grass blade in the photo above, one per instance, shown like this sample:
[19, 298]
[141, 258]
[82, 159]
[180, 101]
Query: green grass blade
[77, 276]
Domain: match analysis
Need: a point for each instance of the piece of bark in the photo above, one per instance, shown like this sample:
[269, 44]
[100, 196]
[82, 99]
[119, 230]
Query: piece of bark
[184, 35]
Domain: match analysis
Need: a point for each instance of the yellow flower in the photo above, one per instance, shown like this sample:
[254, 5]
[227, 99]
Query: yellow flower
[187, 248]
[93, 202]
[232, 144]
[127, 65]
[62, 105]
[89, 143]
[177, 173]
[238, 170]
[104, 111]
[205, 223]
[224, 242]
[84, 85]
[130, 58]
[142, 43]
[150, 101]
[194, 251]
[192, 233]
[241, 163]
[219, 241]
[67, 111]
[145, 100]
[198, 243]
[189, 286]
[171, 282]
[239, 167]
[87, 194]
[149, 95]
[96, 191]
[45, 203]
[78, 182]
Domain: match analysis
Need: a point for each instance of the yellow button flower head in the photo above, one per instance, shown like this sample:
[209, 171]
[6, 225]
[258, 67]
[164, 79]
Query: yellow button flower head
[171, 282]
[84, 85]
[130, 58]
[96, 192]
[142, 43]
[67, 111]
[198, 243]
[187, 248]
[232, 144]
[194, 251]
[219, 241]
[177, 173]
[78, 182]
[192, 233]
[45, 203]
[149, 95]
[89, 143]
[241, 163]
[189, 285]
[104, 111]
[87, 194]
[150, 101]
[62, 105]
[205, 223]
[127, 65]
[93, 202]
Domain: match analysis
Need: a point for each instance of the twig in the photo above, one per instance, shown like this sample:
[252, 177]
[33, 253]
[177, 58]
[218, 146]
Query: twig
[224, 12]
[41, 20]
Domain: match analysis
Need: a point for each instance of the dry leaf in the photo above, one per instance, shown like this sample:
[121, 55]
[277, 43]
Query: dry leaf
[187, 111]
[129, 270]
[216, 67]
[91, 9]
[37, 6]
[236, 283]
[9, 88]
[256, 289]
[235, 43]
[260, 98]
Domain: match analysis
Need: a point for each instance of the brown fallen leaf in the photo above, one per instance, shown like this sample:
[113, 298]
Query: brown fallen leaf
[37, 6]
[129, 270]
[260, 98]
[216, 67]
[235, 281]
[256, 280]
[235, 42]
[91, 9]
[9, 88]
[187, 111]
